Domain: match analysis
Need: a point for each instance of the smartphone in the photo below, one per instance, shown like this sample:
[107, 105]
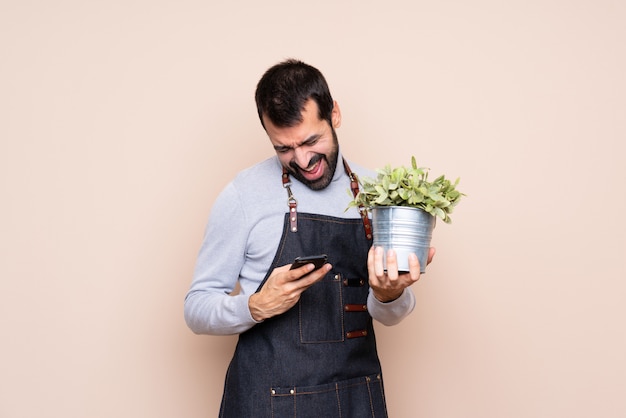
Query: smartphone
[317, 260]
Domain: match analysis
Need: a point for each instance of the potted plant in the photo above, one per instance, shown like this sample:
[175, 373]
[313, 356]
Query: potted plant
[405, 205]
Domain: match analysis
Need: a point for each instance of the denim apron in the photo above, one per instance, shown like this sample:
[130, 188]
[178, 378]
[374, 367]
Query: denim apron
[318, 359]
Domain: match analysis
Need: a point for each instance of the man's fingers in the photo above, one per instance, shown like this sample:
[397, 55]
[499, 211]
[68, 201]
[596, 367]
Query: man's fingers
[306, 276]
[392, 265]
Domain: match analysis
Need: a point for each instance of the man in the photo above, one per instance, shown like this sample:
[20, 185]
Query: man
[306, 345]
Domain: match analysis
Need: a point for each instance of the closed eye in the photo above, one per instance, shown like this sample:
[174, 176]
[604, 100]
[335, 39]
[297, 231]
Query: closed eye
[282, 149]
[309, 142]
[312, 140]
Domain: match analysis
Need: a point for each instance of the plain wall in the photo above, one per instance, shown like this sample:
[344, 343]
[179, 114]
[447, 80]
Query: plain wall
[120, 122]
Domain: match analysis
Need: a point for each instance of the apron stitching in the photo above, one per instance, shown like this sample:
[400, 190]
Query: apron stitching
[367, 380]
[338, 399]
[343, 320]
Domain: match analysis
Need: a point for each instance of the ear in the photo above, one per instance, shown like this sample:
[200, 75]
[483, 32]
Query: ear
[336, 115]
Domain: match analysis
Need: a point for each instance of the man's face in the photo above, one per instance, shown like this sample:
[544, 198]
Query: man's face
[308, 150]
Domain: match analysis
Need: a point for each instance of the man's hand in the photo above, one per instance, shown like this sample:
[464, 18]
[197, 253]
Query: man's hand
[388, 286]
[282, 290]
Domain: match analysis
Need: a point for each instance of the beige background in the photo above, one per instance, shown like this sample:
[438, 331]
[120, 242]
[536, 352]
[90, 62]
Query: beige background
[120, 121]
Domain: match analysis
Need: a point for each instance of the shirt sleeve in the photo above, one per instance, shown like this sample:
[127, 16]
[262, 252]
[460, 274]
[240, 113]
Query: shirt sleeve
[209, 308]
[391, 313]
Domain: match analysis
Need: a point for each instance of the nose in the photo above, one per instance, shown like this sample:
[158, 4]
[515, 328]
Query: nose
[300, 156]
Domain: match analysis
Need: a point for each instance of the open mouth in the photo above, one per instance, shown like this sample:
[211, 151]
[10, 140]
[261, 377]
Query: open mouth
[314, 168]
[314, 171]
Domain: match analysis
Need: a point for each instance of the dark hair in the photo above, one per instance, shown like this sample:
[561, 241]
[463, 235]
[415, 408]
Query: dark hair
[285, 88]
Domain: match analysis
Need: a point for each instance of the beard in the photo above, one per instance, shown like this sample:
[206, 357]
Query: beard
[329, 172]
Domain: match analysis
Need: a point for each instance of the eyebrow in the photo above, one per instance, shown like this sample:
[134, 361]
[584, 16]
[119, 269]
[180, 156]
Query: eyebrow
[309, 140]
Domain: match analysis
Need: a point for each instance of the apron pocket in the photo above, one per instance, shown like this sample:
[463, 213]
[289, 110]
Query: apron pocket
[321, 313]
[354, 398]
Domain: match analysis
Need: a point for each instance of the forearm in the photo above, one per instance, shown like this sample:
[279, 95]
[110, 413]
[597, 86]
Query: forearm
[216, 313]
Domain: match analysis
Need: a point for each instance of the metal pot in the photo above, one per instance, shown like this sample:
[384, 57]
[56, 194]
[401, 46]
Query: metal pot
[406, 230]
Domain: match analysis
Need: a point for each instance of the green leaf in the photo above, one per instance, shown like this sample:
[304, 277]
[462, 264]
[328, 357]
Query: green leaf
[381, 198]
